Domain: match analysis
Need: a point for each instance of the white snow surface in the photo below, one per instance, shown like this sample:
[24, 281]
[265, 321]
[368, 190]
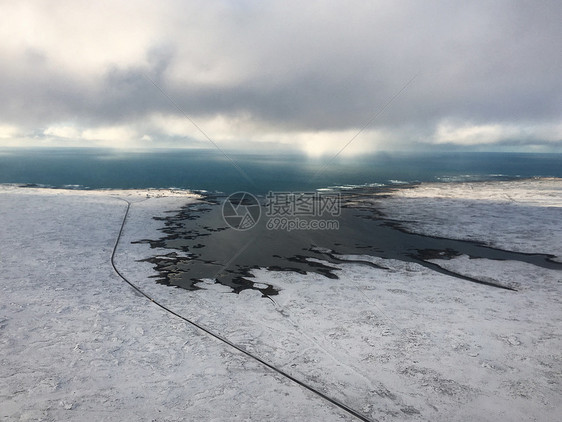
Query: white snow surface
[401, 343]
[522, 215]
[77, 343]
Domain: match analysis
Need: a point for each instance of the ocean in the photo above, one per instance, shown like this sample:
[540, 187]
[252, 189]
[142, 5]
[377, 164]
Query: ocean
[258, 173]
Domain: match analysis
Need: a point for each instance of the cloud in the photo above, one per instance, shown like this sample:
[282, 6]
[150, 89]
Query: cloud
[302, 75]
[8, 131]
[465, 134]
[117, 135]
[67, 132]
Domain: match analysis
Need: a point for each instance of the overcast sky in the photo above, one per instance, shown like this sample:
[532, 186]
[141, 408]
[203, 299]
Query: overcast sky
[282, 74]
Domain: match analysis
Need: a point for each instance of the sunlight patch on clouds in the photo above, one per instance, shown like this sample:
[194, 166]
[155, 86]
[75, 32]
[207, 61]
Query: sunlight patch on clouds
[111, 136]
[8, 131]
[218, 127]
[67, 132]
[468, 134]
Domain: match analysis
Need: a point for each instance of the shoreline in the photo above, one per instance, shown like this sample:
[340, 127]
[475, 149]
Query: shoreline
[110, 192]
[389, 186]
[395, 343]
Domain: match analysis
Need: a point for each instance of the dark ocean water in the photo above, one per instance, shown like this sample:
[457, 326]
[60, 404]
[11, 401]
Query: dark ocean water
[258, 173]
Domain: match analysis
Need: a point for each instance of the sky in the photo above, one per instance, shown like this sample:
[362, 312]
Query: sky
[312, 76]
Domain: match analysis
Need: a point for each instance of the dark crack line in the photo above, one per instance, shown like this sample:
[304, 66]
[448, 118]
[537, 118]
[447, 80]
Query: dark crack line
[440, 269]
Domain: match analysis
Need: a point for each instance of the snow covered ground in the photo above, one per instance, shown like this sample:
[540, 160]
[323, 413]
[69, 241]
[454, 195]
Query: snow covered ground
[523, 215]
[402, 343]
[77, 343]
